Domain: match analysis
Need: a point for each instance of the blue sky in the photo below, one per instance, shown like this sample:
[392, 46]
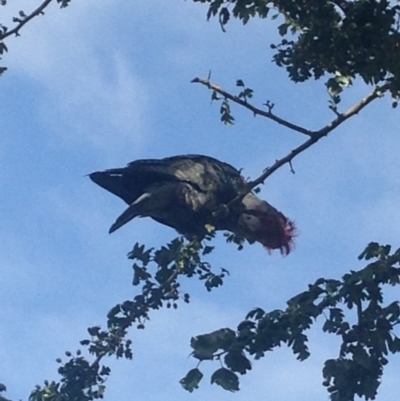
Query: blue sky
[95, 86]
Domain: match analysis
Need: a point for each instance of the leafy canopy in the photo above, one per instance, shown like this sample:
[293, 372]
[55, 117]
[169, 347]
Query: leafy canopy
[347, 39]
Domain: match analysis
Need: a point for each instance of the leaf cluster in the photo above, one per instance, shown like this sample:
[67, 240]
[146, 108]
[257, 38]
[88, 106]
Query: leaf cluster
[158, 273]
[350, 38]
[367, 335]
[3, 388]
[366, 338]
[80, 380]
[225, 108]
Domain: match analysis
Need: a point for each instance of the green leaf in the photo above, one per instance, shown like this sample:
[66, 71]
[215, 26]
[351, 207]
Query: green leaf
[63, 3]
[213, 281]
[248, 92]
[192, 379]
[3, 48]
[208, 249]
[205, 345]
[394, 344]
[256, 314]
[343, 80]
[283, 28]
[300, 348]
[214, 7]
[138, 252]
[226, 116]
[224, 16]
[333, 87]
[215, 96]
[246, 325]
[371, 251]
[237, 362]
[226, 379]
[140, 274]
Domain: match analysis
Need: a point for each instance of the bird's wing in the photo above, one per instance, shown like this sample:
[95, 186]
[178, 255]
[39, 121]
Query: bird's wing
[204, 173]
[150, 203]
[218, 181]
[129, 183]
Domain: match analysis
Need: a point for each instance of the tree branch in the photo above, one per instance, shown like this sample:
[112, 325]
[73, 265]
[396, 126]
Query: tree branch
[317, 135]
[37, 12]
[255, 110]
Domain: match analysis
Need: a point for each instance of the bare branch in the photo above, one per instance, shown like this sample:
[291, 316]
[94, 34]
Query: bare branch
[317, 135]
[255, 110]
[22, 22]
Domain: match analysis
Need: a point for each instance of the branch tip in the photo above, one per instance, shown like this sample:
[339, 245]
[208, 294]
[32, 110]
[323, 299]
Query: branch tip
[256, 111]
[21, 23]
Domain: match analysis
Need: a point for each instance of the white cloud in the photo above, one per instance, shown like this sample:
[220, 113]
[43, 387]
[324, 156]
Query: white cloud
[87, 96]
[107, 113]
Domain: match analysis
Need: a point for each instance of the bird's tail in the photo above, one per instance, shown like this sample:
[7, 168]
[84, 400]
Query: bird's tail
[137, 208]
[112, 181]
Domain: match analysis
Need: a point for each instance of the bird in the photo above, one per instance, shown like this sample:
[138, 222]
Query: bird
[191, 193]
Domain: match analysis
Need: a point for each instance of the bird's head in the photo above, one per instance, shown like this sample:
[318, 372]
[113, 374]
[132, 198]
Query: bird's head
[264, 224]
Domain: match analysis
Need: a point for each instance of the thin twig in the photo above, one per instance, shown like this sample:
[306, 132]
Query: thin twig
[291, 167]
[38, 11]
[255, 110]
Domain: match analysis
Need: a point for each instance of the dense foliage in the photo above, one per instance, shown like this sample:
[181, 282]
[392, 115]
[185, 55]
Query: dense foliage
[343, 38]
[367, 338]
[367, 335]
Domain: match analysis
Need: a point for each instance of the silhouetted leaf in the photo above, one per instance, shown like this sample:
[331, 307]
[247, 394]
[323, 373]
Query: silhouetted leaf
[226, 379]
[191, 381]
[205, 345]
[237, 362]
